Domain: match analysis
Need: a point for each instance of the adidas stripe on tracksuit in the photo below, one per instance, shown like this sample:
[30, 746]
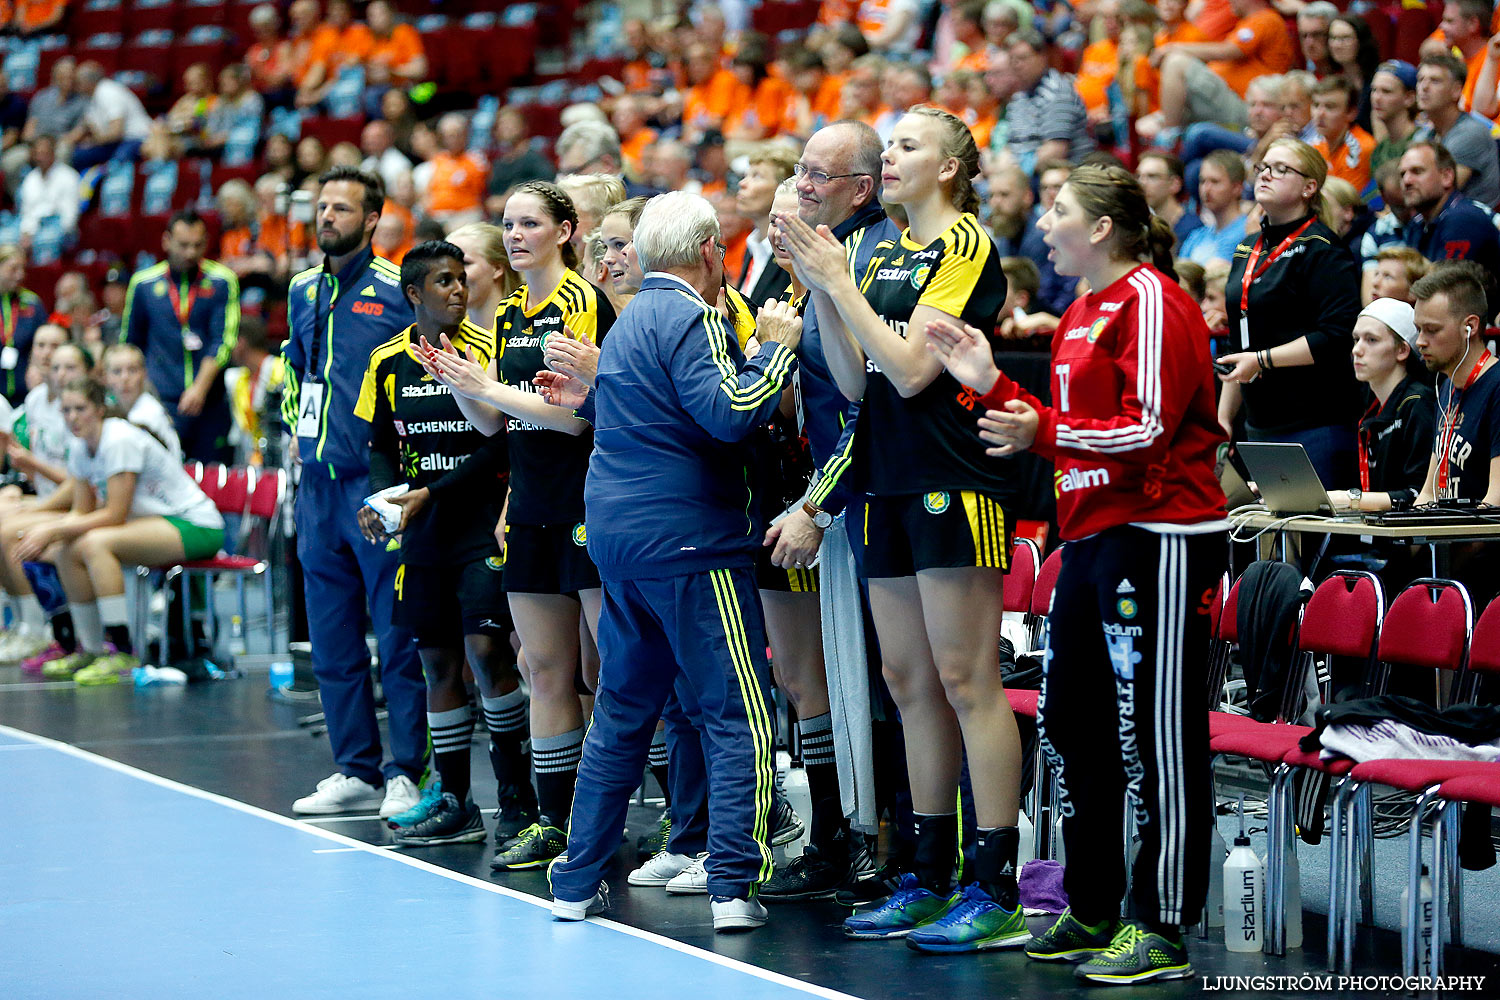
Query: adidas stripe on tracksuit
[672, 529]
[1133, 433]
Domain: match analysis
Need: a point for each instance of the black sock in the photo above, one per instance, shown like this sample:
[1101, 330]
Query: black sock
[120, 636]
[936, 850]
[451, 733]
[995, 864]
[62, 630]
[822, 769]
[556, 761]
[506, 719]
[1172, 932]
[657, 762]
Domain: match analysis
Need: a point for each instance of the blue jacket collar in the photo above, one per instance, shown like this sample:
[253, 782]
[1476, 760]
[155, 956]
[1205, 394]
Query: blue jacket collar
[866, 217]
[355, 267]
[661, 279]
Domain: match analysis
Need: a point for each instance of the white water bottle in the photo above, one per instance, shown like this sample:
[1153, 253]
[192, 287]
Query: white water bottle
[1293, 916]
[1217, 851]
[799, 797]
[1424, 922]
[1244, 877]
[1028, 833]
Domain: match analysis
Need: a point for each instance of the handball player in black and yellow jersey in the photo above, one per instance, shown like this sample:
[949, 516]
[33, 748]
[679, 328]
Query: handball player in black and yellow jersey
[549, 579]
[936, 527]
[448, 585]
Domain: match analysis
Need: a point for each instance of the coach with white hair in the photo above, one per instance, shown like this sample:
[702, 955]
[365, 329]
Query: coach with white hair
[672, 529]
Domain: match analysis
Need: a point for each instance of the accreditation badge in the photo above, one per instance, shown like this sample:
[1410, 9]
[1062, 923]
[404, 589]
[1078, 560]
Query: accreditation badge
[310, 410]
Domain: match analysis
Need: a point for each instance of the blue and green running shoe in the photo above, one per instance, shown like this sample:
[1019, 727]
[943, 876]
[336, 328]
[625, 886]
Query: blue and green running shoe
[432, 797]
[975, 922]
[909, 907]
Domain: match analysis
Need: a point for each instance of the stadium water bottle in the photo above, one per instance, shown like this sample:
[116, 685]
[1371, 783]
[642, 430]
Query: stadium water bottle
[1244, 877]
[1027, 831]
[1217, 851]
[237, 636]
[1424, 923]
[1293, 916]
[799, 797]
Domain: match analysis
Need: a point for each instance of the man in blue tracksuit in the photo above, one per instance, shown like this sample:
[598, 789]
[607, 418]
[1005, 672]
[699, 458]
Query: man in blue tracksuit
[672, 528]
[184, 315]
[338, 313]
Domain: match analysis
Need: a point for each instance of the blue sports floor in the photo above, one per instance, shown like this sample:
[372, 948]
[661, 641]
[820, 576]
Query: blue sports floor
[161, 890]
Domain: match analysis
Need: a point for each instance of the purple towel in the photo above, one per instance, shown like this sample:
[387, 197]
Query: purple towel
[1041, 886]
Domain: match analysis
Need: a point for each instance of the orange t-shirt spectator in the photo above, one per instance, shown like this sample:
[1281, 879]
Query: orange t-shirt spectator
[457, 182]
[31, 16]
[1267, 47]
[1344, 145]
[396, 46]
[711, 90]
[1215, 19]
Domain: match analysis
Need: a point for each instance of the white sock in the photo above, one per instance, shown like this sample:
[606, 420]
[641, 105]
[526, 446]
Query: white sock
[114, 610]
[30, 613]
[88, 626]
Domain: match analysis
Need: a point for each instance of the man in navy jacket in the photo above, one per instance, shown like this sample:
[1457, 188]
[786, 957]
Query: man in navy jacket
[673, 528]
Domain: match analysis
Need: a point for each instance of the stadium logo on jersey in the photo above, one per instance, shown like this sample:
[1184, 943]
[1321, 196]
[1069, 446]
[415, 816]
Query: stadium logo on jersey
[1127, 607]
[580, 534]
[494, 562]
[919, 275]
[367, 308]
[1096, 329]
[935, 503]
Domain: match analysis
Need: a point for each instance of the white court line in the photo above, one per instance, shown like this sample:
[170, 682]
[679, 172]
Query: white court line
[335, 850]
[320, 820]
[406, 859]
[21, 746]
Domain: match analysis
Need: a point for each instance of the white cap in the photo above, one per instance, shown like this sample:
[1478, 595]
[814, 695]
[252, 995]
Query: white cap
[1397, 315]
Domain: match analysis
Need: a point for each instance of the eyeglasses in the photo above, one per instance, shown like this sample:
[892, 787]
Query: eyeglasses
[1313, 34]
[1277, 170]
[818, 177]
[723, 250]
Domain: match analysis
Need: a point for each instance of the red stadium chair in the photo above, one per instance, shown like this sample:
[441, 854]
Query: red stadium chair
[96, 17]
[333, 131]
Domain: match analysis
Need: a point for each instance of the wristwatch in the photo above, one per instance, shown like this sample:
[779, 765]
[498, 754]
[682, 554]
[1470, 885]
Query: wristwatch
[821, 519]
[1355, 495]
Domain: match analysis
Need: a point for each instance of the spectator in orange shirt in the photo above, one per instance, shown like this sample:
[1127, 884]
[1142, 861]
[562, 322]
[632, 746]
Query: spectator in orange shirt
[1174, 24]
[1465, 27]
[1101, 61]
[33, 17]
[1206, 81]
[629, 118]
[1344, 145]
[395, 45]
[984, 109]
[455, 189]
[815, 93]
[860, 99]
[239, 248]
[270, 56]
[340, 41]
[305, 38]
[1215, 18]
[710, 93]
[394, 233]
[761, 101]
[837, 12]
[972, 48]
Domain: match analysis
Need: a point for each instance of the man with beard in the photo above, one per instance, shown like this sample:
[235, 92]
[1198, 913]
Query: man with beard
[338, 313]
[1445, 225]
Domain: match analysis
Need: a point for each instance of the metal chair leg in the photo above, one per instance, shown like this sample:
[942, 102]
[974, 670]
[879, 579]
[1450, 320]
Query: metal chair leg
[1450, 821]
[1354, 814]
[1335, 869]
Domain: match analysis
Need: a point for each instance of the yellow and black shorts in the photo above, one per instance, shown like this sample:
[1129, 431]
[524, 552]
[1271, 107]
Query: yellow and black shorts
[940, 530]
[548, 559]
[442, 604]
[769, 576]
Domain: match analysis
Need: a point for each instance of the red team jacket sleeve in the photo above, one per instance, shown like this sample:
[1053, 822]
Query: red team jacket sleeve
[1155, 356]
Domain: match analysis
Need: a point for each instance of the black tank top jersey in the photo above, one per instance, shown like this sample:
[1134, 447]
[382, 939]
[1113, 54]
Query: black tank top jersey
[930, 442]
[416, 418]
[547, 467]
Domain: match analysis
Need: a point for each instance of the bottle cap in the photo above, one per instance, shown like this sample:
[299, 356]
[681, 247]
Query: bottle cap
[1241, 840]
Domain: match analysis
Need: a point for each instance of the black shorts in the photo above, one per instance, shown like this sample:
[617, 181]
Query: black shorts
[442, 604]
[769, 576]
[940, 530]
[548, 559]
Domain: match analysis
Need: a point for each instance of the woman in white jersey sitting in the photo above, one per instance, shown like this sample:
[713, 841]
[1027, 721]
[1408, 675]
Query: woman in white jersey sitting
[132, 503]
[124, 368]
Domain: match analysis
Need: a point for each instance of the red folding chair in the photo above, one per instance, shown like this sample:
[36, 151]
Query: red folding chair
[1041, 594]
[1429, 627]
[1020, 579]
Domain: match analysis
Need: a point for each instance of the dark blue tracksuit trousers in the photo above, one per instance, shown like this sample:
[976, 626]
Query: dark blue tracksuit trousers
[342, 573]
[687, 773]
[704, 635]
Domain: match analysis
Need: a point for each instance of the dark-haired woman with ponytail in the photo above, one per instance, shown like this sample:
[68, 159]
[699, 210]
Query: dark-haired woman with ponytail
[936, 526]
[548, 576]
[1133, 432]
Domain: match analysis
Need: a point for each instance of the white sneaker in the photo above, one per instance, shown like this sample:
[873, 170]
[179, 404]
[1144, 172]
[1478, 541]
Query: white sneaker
[563, 909]
[691, 881]
[737, 914]
[401, 794]
[338, 793]
[21, 643]
[661, 869]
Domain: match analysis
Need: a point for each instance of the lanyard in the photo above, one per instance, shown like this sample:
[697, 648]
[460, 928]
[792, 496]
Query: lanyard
[1364, 447]
[1253, 273]
[177, 306]
[9, 319]
[1449, 430]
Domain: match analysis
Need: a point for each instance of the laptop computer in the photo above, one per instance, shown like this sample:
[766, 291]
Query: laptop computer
[1285, 476]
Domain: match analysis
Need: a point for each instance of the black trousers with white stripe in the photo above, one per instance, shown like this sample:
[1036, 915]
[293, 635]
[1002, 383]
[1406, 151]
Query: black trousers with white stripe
[1122, 711]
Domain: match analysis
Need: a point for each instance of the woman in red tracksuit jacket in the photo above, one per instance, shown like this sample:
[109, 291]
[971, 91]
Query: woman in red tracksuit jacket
[1133, 433]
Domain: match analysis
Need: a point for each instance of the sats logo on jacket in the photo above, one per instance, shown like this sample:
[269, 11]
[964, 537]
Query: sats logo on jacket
[363, 308]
